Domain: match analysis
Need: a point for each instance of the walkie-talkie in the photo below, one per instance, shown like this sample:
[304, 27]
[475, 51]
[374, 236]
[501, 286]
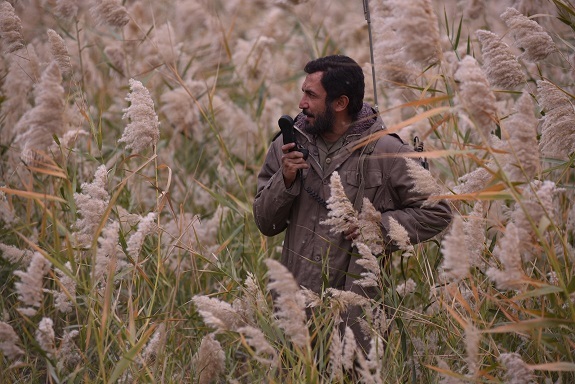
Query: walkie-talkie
[286, 126]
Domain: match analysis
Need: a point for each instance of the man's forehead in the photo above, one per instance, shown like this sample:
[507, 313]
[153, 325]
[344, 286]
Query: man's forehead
[313, 81]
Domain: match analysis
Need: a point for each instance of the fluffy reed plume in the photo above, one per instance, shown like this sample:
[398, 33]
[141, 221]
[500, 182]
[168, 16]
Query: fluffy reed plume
[456, 263]
[255, 338]
[507, 251]
[15, 255]
[341, 216]
[38, 126]
[520, 134]
[476, 97]
[289, 303]
[107, 252]
[370, 366]
[475, 234]
[109, 12]
[66, 9]
[154, 345]
[60, 52]
[64, 299]
[10, 28]
[390, 62]
[146, 227]
[91, 204]
[335, 366]
[143, 130]
[349, 349]
[473, 181]
[472, 340]
[536, 204]
[29, 288]
[500, 65]
[46, 337]
[529, 36]
[444, 377]
[9, 341]
[68, 352]
[369, 227]
[15, 88]
[423, 180]
[340, 300]
[209, 361]
[218, 314]
[398, 234]
[417, 30]
[517, 372]
[558, 125]
[371, 276]
[406, 288]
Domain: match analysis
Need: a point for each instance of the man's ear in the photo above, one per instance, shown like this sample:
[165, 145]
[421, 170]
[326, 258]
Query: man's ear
[340, 103]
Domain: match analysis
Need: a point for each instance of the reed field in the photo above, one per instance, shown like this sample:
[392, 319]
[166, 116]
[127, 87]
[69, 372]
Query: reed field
[131, 136]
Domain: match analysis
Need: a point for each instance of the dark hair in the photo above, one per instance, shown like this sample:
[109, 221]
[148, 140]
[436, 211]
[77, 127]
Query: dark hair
[341, 76]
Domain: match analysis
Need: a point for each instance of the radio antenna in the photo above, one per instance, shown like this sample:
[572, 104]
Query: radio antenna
[368, 19]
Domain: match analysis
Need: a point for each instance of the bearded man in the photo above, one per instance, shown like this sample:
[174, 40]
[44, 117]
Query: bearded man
[292, 188]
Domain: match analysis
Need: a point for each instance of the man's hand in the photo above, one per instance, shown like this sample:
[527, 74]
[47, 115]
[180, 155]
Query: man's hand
[292, 162]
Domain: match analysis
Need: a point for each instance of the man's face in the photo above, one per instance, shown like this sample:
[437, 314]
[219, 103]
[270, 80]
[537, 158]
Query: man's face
[319, 114]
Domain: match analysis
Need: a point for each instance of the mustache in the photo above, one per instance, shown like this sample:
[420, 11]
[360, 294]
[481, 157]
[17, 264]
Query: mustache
[307, 113]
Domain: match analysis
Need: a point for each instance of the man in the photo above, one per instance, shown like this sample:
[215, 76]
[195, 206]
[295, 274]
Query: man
[292, 190]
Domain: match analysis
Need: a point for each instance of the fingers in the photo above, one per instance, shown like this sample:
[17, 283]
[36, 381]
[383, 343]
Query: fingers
[292, 162]
[351, 233]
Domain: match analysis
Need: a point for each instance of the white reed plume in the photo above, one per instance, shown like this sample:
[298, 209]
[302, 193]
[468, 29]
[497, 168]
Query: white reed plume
[474, 228]
[407, 287]
[391, 64]
[66, 9]
[341, 216]
[37, 126]
[529, 36]
[456, 263]
[398, 234]
[29, 288]
[508, 253]
[517, 372]
[91, 204]
[143, 130]
[473, 181]
[108, 249]
[558, 124]
[209, 361]
[217, 313]
[15, 255]
[340, 300]
[472, 340]
[520, 133]
[369, 366]
[255, 338]
[417, 29]
[154, 345]
[60, 52]
[335, 366]
[349, 350]
[369, 227]
[476, 96]
[110, 12]
[9, 341]
[289, 302]
[64, 298]
[146, 227]
[500, 65]
[371, 275]
[10, 28]
[46, 337]
[423, 180]
[68, 352]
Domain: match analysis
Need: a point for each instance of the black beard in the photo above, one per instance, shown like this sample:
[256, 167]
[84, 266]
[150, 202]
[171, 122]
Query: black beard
[323, 123]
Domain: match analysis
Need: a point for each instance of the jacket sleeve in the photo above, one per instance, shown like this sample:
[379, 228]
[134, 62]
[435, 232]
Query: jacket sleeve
[273, 201]
[421, 221]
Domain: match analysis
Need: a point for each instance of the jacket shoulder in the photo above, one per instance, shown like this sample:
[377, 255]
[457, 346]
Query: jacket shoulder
[391, 143]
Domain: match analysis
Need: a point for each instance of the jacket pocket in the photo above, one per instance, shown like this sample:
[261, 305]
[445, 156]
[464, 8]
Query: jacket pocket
[373, 179]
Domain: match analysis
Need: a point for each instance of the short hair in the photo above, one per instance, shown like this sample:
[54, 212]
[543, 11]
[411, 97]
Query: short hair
[341, 76]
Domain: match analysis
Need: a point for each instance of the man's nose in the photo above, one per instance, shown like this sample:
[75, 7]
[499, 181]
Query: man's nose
[303, 103]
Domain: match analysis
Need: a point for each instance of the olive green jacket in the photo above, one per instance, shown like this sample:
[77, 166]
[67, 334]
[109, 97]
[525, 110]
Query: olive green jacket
[316, 257]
